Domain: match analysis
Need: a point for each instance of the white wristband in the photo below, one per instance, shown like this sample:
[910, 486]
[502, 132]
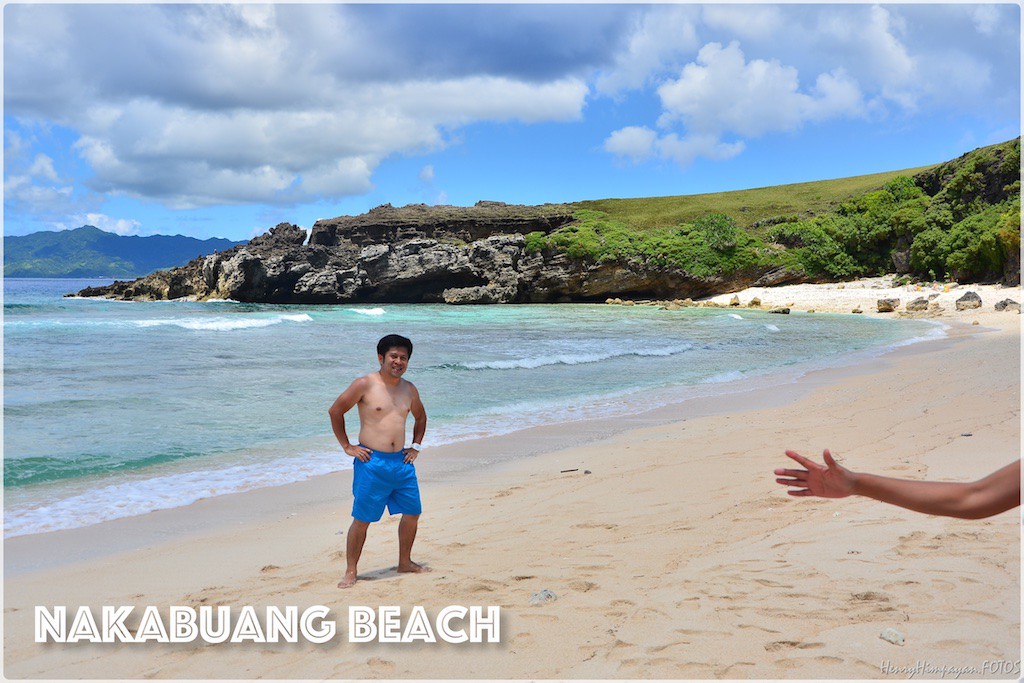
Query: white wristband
[417, 447]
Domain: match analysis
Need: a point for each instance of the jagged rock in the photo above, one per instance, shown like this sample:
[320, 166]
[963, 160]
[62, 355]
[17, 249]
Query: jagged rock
[1008, 305]
[754, 303]
[781, 310]
[901, 262]
[918, 304]
[968, 301]
[857, 310]
[887, 305]
[427, 254]
[735, 300]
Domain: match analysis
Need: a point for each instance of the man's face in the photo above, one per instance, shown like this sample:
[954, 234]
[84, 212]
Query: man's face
[394, 362]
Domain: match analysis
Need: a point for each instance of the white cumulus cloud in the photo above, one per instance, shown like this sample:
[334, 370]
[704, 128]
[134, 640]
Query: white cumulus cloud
[120, 226]
[633, 142]
[722, 96]
[198, 105]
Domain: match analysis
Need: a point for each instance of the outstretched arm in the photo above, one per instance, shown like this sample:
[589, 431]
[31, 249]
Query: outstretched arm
[998, 492]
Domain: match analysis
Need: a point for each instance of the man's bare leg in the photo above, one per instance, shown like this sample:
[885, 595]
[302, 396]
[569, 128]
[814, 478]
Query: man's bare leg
[353, 549]
[406, 535]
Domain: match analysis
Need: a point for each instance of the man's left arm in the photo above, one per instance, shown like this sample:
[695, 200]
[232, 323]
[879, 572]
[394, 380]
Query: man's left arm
[419, 428]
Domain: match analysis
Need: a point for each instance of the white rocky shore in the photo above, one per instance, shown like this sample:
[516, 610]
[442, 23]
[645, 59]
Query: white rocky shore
[863, 296]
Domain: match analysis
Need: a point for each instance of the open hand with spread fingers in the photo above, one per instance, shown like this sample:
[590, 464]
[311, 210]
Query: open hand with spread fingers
[830, 480]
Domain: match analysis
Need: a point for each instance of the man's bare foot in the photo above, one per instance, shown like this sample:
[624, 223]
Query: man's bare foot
[348, 581]
[413, 568]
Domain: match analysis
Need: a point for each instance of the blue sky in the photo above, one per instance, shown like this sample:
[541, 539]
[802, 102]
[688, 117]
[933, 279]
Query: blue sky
[223, 120]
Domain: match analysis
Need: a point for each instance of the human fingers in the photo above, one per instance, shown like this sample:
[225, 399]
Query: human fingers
[800, 492]
[791, 482]
[791, 473]
[829, 460]
[809, 464]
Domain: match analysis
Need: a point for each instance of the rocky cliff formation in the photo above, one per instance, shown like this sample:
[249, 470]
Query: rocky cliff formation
[420, 254]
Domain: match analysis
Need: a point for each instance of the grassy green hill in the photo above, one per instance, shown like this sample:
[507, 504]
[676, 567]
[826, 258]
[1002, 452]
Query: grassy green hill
[747, 208]
[957, 220]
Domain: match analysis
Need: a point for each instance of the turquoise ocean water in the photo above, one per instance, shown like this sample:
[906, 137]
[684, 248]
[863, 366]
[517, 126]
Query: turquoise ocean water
[114, 409]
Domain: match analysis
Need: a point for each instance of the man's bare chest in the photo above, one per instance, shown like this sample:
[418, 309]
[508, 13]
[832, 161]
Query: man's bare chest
[381, 403]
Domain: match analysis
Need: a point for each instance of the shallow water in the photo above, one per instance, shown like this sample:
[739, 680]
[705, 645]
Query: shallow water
[116, 408]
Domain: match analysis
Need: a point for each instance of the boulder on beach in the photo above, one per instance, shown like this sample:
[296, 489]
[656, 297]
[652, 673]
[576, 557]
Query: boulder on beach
[781, 310]
[918, 304]
[887, 305]
[735, 300]
[968, 301]
[1008, 305]
[754, 303]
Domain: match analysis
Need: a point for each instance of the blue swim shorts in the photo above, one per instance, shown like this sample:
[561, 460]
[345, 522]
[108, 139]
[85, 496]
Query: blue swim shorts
[386, 479]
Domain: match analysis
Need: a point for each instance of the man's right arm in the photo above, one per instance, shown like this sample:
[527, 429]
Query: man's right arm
[342, 405]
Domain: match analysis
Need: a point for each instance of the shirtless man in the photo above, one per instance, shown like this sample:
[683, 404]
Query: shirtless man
[383, 471]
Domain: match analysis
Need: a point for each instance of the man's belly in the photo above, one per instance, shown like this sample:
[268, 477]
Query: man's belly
[383, 436]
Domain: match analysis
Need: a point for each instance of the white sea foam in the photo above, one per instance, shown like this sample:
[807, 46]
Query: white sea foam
[569, 359]
[367, 311]
[223, 324]
[769, 326]
[142, 495]
[728, 376]
[736, 315]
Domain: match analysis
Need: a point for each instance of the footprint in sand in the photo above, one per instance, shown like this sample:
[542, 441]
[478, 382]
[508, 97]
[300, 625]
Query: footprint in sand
[269, 568]
[870, 596]
[583, 586]
[791, 644]
[483, 587]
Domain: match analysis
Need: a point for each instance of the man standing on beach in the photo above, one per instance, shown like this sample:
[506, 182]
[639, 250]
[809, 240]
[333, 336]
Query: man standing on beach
[383, 471]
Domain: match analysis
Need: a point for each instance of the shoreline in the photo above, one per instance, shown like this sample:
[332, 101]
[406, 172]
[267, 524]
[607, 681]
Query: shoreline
[62, 504]
[51, 549]
[676, 557]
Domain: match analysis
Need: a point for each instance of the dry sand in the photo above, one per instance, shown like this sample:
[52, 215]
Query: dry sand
[676, 557]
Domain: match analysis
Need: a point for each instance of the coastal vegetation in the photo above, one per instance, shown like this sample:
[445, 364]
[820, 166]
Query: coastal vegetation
[959, 220]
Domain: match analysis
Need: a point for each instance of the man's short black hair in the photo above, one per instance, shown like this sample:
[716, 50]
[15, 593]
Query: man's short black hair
[393, 341]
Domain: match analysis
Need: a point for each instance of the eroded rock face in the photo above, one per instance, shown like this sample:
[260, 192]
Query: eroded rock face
[421, 254]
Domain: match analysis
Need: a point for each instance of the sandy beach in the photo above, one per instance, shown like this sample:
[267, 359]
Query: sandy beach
[669, 548]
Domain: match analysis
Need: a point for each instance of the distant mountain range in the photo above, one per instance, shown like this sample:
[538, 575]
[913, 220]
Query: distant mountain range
[91, 252]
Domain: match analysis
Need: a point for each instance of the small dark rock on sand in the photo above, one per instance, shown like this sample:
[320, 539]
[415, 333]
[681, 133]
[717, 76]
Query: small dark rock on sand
[1008, 305]
[887, 305]
[918, 304]
[968, 301]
